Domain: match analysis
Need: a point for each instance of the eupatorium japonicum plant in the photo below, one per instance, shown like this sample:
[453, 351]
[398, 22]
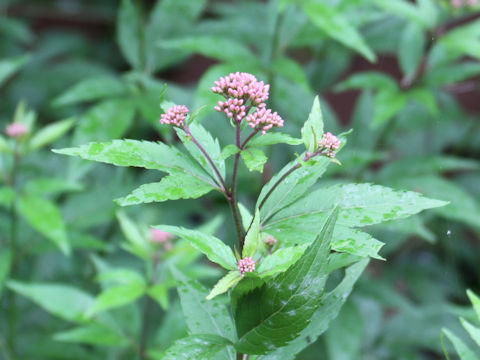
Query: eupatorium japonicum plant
[289, 244]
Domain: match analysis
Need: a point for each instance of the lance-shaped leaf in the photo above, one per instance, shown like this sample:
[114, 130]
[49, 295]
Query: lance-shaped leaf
[45, 217]
[204, 346]
[331, 306]
[273, 315]
[146, 154]
[252, 238]
[212, 247]
[312, 130]
[203, 316]
[50, 133]
[92, 334]
[172, 187]
[225, 283]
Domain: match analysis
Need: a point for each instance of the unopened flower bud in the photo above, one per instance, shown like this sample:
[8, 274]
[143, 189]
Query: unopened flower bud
[330, 144]
[246, 265]
[16, 130]
[175, 115]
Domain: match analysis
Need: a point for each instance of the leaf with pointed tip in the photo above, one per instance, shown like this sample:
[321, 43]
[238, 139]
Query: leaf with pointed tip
[92, 334]
[130, 32]
[204, 316]
[254, 159]
[473, 331]
[252, 238]
[10, 66]
[214, 248]
[138, 243]
[475, 300]
[50, 133]
[272, 139]
[273, 315]
[200, 347]
[64, 301]
[312, 130]
[464, 352]
[172, 187]
[225, 283]
[332, 303]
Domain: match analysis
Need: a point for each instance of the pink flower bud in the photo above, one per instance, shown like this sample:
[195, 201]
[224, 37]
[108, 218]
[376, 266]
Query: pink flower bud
[159, 236]
[270, 240]
[175, 115]
[264, 118]
[330, 144]
[16, 130]
[246, 265]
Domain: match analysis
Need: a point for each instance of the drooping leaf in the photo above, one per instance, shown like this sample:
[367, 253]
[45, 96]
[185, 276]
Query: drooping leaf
[50, 133]
[312, 130]
[286, 302]
[252, 238]
[92, 334]
[45, 217]
[254, 159]
[91, 89]
[64, 301]
[225, 283]
[215, 250]
[201, 347]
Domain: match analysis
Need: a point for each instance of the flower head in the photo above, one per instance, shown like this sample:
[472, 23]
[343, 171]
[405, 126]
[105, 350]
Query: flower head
[232, 108]
[270, 240]
[264, 119]
[330, 144]
[16, 130]
[175, 115]
[246, 265]
[242, 86]
[159, 236]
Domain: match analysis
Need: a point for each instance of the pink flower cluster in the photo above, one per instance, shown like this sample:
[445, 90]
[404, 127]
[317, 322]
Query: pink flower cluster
[270, 240]
[246, 265]
[330, 144]
[243, 86]
[175, 115]
[265, 119]
[232, 107]
[16, 130]
[461, 3]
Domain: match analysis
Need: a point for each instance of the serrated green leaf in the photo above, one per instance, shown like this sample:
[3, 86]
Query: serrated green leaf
[130, 33]
[92, 334]
[252, 238]
[229, 150]
[91, 89]
[280, 260]
[45, 217]
[202, 316]
[312, 130]
[64, 301]
[463, 350]
[335, 25]
[172, 187]
[10, 66]
[272, 139]
[215, 47]
[295, 294]
[201, 347]
[254, 159]
[50, 133]
[225, 283]
[212, 247]
[331, 305]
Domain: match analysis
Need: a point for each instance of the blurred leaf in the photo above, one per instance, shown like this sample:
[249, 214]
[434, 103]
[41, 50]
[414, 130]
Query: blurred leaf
[8, 67]
[473, 331]
[92, 334]
[475, 300]
[64, 301]
[5, 263]
[51, 186]
[411, 48]
[50, 133]
[159, 292]
[252, 238]
[291, 70]
[130, 34]
[293, 294]
[91, 89]
[7, 196]
[403, 9]
[4, 145]
[212, 247]
[254, 159]
[451, 73]
[202, 346]
[272, 139]
[387, 105]
[45, 217]
[225, 283]
[332, 22]
[369, 80]
[228, 151]
[220, 48]
[312, 130]
[138, 242]
[463, 351]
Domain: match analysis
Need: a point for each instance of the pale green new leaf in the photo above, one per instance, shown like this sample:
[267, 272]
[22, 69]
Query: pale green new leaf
[50, 133]
[214, 248]
[312, 130]
[254, 159]
[92, 334]
[92, 89]
[64, 301]
[252, 238]
[198, 347]
[45, 217]
[225, 283]
[172, 187]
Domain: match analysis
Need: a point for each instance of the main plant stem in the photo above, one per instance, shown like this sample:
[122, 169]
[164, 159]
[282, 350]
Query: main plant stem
[12, 305]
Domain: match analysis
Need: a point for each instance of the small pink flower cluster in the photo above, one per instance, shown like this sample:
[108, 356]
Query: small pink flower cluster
[246, 265]
[243, 86]
[16, 130]
[461, 3]
[232, 107]
[270, 240]
[330, 144]
[161, 237]
[265, 119]
[175, 115]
